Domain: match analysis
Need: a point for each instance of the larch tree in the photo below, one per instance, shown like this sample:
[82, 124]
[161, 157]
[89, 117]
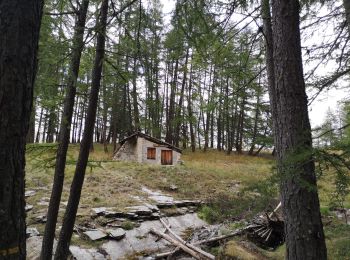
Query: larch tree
[65, 128]
[296, 168]
[19, 34]
[62, 250]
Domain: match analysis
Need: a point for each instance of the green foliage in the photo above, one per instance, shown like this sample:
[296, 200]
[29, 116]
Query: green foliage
[127, 225]
[255, 198]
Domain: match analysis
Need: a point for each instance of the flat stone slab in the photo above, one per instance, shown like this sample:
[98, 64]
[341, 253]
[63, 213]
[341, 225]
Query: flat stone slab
[43, 203]
[34, 248]
[95, 234]
[41, 219]
[29, 193]
[117, 234]
[32, 231]
[99, 211]
[28, 207]
[86, 254]
[140, 240]
[140, 210]
[157, 196]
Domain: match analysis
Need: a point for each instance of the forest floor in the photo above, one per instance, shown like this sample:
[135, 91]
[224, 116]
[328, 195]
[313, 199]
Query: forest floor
[234, 188]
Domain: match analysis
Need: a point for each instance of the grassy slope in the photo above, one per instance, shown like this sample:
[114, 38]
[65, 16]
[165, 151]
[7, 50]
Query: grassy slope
[211, 176]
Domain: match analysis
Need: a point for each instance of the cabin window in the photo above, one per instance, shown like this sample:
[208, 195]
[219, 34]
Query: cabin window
[151, 153]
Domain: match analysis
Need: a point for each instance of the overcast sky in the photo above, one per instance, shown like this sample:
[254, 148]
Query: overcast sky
[327, 99]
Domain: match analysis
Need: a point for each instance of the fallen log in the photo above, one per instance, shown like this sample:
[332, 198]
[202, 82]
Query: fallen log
[193, 247]
[177, 243]
[206, 241]
[219, 238]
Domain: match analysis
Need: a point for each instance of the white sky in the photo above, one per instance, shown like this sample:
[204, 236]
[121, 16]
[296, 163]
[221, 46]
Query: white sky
[317, 110]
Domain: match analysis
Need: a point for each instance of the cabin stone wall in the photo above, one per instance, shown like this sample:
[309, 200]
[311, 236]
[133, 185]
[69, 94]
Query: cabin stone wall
[146, 144]
[127, 152]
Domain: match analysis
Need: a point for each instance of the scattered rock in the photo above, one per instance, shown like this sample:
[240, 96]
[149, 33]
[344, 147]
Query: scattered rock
[131, 215]
[117, 234]
[163, 205]
[173, 187]
[28, 207]
[114, 225]
[154, 208]
[41, 219]
[140, 210]
[99, 211]
[155, 215]
[95, 234]
[29, 193]
[43, 203]
[187, 203]
[32, 231]
[113, 214]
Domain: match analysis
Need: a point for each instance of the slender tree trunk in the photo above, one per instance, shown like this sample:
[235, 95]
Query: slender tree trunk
[31, 130]
[134, 97]
[190, 112]
[78, 44]
[170, 123]
[45, 128]
[179, 108]
[78, 180]
[82, 118]
[346, 4]
[37, 138]
[300, 203]
[207, 119]
[75, 117]
[19, 33]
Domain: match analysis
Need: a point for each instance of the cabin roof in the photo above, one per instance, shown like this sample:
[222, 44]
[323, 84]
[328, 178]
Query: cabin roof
[152, 139]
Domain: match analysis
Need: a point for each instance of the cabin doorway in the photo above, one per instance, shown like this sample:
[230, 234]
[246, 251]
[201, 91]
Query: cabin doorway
[167, 157]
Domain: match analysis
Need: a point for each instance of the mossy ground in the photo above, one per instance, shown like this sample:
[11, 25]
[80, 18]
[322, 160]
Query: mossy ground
[235, 187]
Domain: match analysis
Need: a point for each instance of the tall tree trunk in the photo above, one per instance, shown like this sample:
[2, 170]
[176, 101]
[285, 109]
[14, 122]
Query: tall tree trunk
[31, 130]
[207, 119]
[300, 203]
[346, 4]
[78, 180]
[171, 112]
[19, 33]
[255, 129]
[37, 138]
[134, 96]
[190, 112]
[180, 105]
[45, 128]
[78, 44]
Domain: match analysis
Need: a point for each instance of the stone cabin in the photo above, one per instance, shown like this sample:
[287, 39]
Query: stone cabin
[143, 148]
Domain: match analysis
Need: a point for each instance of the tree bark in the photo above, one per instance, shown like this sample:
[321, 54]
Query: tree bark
[63, 142]
[346, 4]
[296, 168]
[190, 112]
[78, 180]
[19, 33]
[31, 130]
[180, 105]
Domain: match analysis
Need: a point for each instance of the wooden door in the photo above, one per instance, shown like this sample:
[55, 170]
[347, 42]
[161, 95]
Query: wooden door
[167, 157]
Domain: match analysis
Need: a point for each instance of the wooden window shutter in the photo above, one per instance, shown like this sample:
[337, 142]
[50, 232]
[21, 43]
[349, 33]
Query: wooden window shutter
[151, 153]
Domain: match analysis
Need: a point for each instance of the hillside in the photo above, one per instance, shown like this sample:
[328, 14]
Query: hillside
[234, 188]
